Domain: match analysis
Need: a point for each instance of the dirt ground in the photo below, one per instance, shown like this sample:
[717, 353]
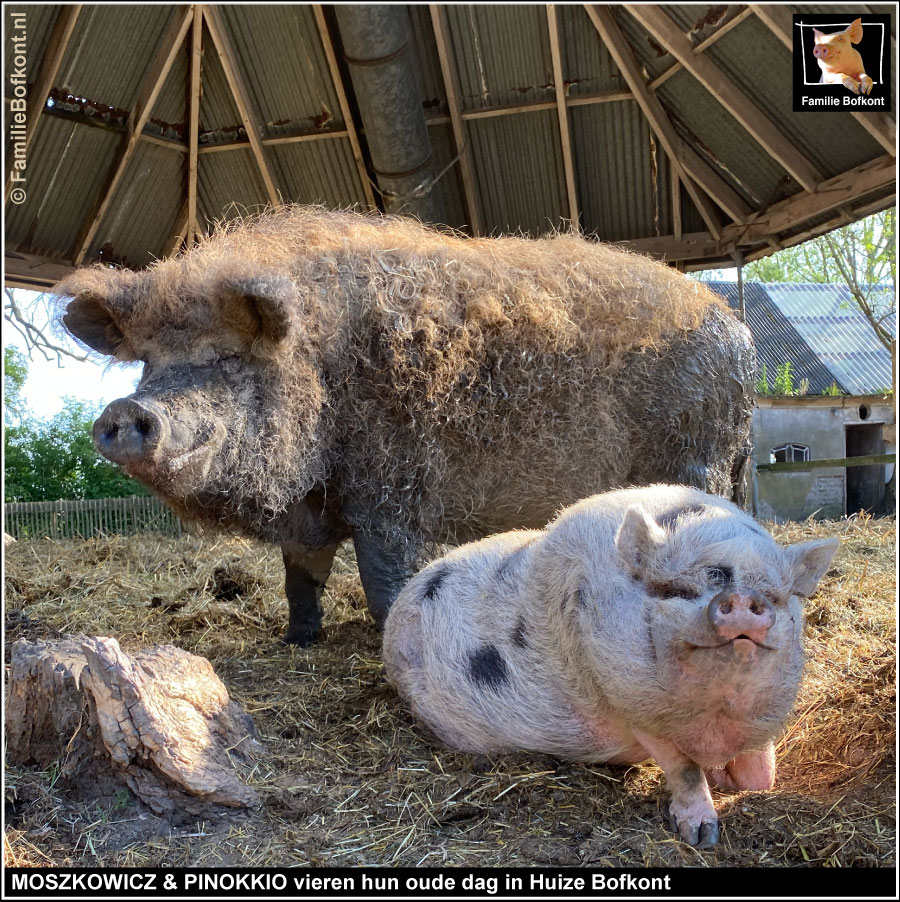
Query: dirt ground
[349, 779]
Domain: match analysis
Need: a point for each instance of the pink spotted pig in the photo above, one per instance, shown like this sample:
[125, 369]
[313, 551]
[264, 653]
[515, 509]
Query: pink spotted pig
[839, 62]
[657, 622]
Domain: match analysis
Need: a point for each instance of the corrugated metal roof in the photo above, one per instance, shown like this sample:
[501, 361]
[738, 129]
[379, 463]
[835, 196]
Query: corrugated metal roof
[529, 195]
[636, 169]
[817, 329]
[316, 172]
[280, 58]
[500, 55]
[132, 226]
[111, 51]
[837, 332]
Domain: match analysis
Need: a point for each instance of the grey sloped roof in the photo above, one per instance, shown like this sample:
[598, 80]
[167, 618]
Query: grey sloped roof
[617, 148]
[818, 329]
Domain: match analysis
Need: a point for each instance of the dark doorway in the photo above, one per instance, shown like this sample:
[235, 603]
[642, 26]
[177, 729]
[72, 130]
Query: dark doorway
[865, 485]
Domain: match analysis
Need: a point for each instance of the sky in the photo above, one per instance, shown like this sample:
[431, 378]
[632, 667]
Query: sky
[48, 383]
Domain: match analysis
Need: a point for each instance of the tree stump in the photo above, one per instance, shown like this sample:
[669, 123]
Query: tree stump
[161, 722]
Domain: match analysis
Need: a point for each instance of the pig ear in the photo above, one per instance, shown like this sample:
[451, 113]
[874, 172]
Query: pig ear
[809, 561]
[265, 305]
[88, 316]
[638, 540]
[818, 35]
[854, 30]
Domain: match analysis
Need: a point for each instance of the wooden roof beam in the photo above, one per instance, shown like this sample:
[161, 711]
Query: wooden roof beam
[137, 119]
[241, 98]
[194, 125]
[565, 136]
[667, 33]
[456, 119]
[699, 48]
[47, 71]
[779, 20]
[686, 162]
[791, 213]
[335, 71]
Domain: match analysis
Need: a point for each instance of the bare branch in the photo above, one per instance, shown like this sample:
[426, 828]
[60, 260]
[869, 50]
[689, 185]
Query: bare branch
[35, 336]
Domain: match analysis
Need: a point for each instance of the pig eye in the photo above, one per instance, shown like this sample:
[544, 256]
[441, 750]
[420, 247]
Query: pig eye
[720, 576]
[671, 590]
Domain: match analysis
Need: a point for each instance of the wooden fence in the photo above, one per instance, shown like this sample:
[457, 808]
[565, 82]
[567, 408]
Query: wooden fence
[84, 518]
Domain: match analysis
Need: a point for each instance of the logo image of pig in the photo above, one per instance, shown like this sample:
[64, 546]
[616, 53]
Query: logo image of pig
[311, 376]
[839, 62]
[657, 622]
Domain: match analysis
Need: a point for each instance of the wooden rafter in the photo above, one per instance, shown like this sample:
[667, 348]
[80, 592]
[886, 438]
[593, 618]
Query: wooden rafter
[676, 204]
[699, 48]
[137, 119]
[47, 71]
[241, 98]
[685, 161]
[667, 33]
[335, 71]
[564, 134]
[180, 232]
[194, 123]
[456, 119]
[880, 126]
[832, 194]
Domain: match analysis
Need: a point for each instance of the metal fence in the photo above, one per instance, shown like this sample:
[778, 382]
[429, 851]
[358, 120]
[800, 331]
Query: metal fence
[84, 518]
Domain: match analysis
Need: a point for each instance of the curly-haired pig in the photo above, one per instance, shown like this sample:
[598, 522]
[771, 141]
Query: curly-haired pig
[657, 622]
[311, 376]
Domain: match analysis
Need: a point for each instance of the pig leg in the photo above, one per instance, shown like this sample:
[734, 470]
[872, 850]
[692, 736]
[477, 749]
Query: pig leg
[305, 574]
[865, 84]
[751, 770]
[383, 571]
[850, 83]
[691, 813]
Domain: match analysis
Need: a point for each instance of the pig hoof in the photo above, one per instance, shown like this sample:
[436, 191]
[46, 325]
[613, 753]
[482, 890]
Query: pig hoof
[301, 636]
[703, 834]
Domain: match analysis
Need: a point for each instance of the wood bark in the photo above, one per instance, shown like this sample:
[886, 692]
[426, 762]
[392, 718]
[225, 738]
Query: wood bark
[159, 721]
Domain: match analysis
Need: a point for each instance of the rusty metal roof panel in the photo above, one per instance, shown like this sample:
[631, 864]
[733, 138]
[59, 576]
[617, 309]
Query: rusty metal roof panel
[284, 68]
[519, 172]
[53, 215]
[622, 174]
[135, 231]
[111, 50]
[502, 54]
[587, 66]
[228, 185]
[316, 172]
[653, 58]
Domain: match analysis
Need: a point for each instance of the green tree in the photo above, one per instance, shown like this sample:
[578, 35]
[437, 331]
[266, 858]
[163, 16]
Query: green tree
[15, 373]
[862, 256]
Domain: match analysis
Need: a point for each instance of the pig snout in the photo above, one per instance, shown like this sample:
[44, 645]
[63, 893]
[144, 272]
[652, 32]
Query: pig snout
[128, 431]
[738, 611]
[820, 52]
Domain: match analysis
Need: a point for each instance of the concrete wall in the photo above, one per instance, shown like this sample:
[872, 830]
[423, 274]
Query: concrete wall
[820, 423]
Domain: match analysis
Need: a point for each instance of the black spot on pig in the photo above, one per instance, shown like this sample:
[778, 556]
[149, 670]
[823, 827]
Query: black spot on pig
[669, 520]
[691, 776]
[487, 668]
[433, 586]
[519, 633]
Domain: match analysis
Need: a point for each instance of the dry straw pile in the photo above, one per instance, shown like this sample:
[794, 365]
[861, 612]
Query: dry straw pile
[349, 779]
